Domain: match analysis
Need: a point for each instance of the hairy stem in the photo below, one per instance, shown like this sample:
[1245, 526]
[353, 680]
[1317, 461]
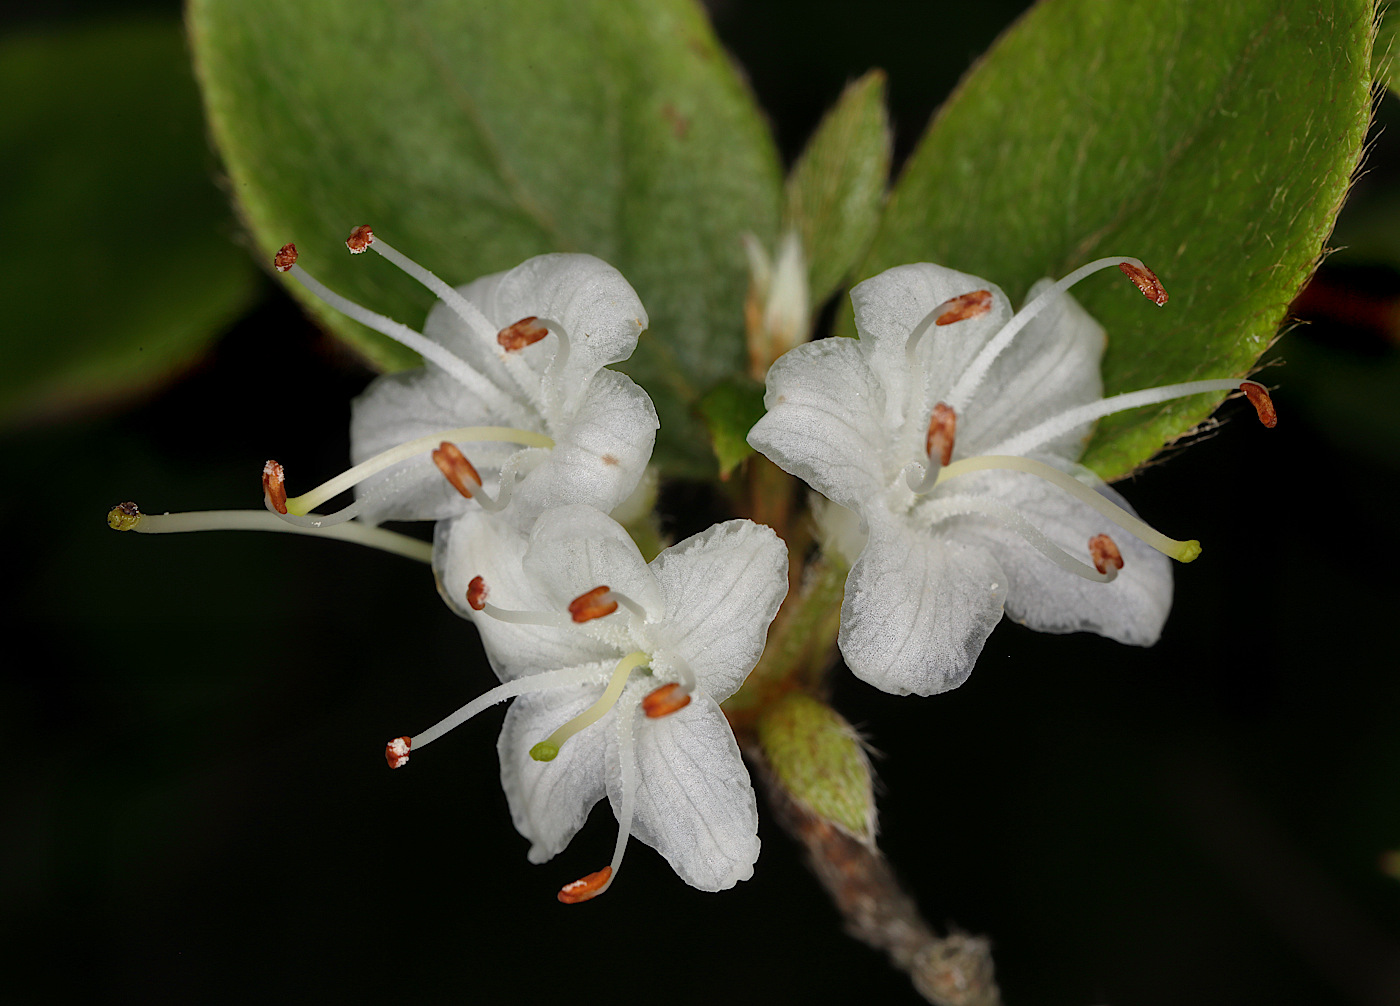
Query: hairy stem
[955, 970]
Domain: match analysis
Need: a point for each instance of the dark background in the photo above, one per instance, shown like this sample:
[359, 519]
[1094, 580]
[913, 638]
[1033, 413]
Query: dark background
[196, 806]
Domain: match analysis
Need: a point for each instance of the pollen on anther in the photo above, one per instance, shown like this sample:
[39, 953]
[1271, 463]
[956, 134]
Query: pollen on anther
[665, 700]
[1145, 280]
[360, 239]
[525, 332]
[968, 305]
[585, 888]
[592, 604]
[942, 429]
[456, 468]
[1258, 397]
[285, 258]
[476, 593]
[274, 480]
[396, 752]
[1105, 553]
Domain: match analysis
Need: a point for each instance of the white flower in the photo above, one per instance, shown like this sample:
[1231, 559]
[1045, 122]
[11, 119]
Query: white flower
[620, 668]
[953, 430]
[513, 380]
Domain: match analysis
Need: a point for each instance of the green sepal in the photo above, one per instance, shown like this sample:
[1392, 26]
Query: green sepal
[730, 411]
[820, 762]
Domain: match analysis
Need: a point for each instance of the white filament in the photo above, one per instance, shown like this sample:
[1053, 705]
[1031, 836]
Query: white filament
[416, 341]
[258, 520]
[520, 686]
[1044, 432]
[971, 378]
[986, 506]
[385, 459]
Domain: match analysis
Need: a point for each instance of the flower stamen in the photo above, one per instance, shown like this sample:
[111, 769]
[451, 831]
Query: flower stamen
[476, 593]
[1105, 553]
[1145, 280]
[127, 517]
[938, 446]
[965, 306]
[408, 449]
[525, 332]
[548, 749]
[1071, 419]
[396, 751]
[954, 309]
[1258, 396]
[285, 261]
[586, 888]
[591, 604]
[456, 468]
[972, 377]
[664, 701]
[942, 428]
[274, 480]
[1182, 551]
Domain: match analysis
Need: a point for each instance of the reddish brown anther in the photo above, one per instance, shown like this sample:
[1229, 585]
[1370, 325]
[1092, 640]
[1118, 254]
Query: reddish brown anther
[1258, 396]
[665, 700]
[396, 752]
[968, 305]
[476, 593]
[1145, 280]
[585, 888]
[360, 239]
[285, 258]
[275, 486]
[456, 468]
[594, 604]
[942, 428]
[1105, 553]
[525, 332]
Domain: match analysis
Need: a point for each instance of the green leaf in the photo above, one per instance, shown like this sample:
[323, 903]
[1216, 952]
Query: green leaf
[118, 264]
[1214, 141]
[820, 762]
[730, 410]
[474, 135]
[837, 186]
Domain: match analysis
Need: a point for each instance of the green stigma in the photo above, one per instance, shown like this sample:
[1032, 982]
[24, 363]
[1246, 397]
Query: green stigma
[1189, 551]
[547, 749]
[123, 517]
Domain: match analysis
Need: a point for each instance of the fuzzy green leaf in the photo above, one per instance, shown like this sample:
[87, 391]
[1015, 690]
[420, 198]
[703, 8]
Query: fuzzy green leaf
[1215, 142]
[118, 260]
[820, 762]
[474, 135]
[837, 186]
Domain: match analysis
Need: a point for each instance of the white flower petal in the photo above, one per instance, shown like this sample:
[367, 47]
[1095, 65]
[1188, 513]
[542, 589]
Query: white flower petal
[825, 420]
[601, 456]
[489, 546]
[1052, 365]
[597, 307]
[695, 803]
[918, 609]
[1131, 609]
[549, 801]
[889, 306]
[576, 548]
[722, 588]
